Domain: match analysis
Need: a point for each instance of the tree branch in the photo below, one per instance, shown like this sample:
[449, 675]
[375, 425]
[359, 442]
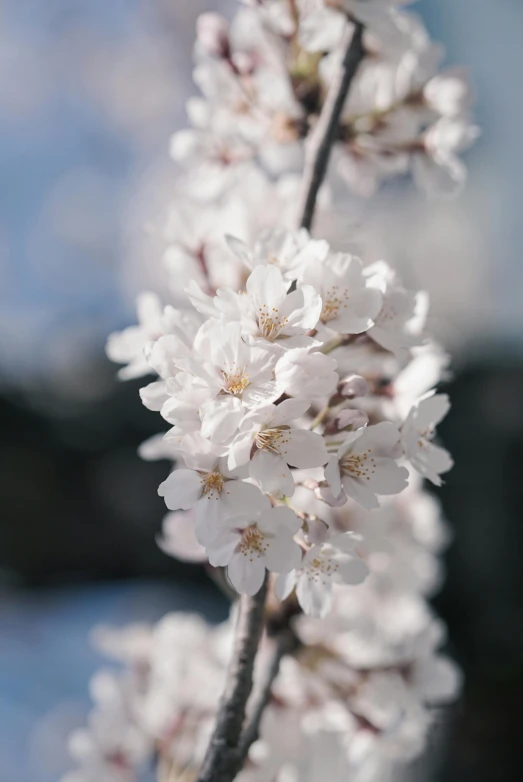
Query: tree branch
[224, 757]
[324, 134]
[284, 644]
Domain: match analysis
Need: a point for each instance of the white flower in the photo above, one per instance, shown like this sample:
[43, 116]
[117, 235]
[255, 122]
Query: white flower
[179, 329]
[365, 465]
[391, 328]
[267, 440]
[350, 305]
[235, 374]
[213, 491]
[305, 375]
[334, 562]
[251, 546]
[128, 346]
[271, 317]
[417, 432]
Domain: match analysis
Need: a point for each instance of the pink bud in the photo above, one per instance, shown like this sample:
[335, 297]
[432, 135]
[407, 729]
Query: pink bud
[353, 386]
[354, 419]
[212, 32]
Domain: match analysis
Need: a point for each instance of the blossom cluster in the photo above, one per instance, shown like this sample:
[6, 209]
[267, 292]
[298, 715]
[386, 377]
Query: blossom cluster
[292, 385]
[300, 387]
[356, 701]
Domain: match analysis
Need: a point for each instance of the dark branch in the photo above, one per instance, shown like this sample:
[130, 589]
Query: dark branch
[324, 134]
[224, 758]
[284, 644]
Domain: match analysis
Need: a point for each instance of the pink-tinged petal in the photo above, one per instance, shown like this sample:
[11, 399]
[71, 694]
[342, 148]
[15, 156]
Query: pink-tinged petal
[314, 597]
[305, 449]
[181, 490]
[246, 574]
[285, 583]
[178, 538]
[272, 474]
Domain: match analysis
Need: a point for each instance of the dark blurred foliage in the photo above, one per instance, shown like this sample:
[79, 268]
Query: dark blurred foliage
[79, 504]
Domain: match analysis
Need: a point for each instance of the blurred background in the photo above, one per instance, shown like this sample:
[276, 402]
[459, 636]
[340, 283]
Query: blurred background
[90, 92]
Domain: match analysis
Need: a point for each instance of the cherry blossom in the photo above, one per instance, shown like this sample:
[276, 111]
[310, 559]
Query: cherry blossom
[213, 491]
[251, 546]
[334, 562]
[417, 432]
[268, 442]
[365, 465]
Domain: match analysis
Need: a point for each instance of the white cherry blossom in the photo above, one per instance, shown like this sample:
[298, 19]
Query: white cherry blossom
[250, 545]
[267, 441]
[334, 562]
[349, 304]
[215, 493]
[128, 346]
[365, 465]
[416, 437]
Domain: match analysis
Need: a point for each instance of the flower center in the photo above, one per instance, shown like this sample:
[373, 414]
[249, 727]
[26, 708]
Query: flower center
[359, 465]
[212, 485]
[273, 440]
[236, 381]
[334, 299]
[321, 569]
[253, 543]
[270, 322]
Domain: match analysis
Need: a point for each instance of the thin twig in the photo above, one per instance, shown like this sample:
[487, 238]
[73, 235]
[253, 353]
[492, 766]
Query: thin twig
[284, 644]
[223, 758]
[324, 134]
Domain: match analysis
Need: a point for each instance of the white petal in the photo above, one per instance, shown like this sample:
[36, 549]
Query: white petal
[240, 498]
[305, 449]
[272, 473]
[222, 550]
[181, 490]
[246, 575]
[285, 583]
[283, 554]
[314, 597]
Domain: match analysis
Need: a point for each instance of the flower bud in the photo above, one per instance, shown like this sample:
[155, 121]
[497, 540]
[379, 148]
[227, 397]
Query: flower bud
[212, 33]
[353, 386]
